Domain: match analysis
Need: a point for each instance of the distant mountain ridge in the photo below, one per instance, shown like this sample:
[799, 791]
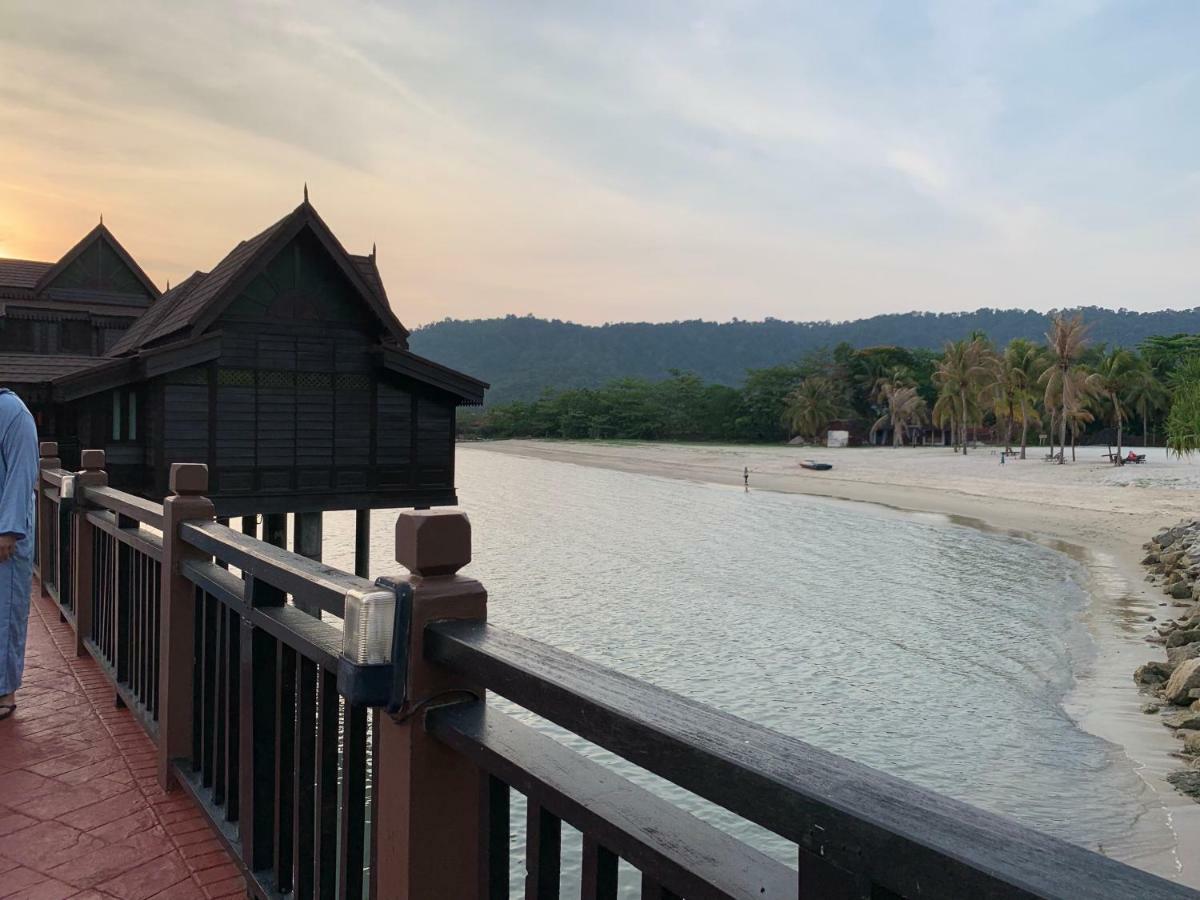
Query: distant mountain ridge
[522, 356]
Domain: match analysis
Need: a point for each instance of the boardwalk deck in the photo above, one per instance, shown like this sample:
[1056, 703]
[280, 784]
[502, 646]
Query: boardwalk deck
[81, 811]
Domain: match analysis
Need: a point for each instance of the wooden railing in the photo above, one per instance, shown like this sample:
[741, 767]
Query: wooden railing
[201, 630]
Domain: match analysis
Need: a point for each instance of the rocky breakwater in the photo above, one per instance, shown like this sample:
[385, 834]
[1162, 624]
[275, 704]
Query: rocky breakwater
[1173, 558]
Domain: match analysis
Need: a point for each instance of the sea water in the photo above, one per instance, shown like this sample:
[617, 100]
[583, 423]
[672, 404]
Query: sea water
[927, 649]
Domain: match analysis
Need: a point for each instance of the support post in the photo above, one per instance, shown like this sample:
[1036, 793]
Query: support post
[362, 543]
[307, 538]
[188, 484]
[91, 475]
[429, 806]
[275, 529]
[47, 459]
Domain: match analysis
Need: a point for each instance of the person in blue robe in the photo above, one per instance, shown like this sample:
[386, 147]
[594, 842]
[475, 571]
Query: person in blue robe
[18, 477]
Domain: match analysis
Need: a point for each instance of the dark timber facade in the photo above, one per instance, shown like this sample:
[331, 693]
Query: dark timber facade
[283, 368]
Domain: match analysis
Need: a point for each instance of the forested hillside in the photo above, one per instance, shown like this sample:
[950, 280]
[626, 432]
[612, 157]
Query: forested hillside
[522, 356]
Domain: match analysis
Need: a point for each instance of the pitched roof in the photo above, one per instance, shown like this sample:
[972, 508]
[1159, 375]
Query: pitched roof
[100, 232]
[21, 368]
[135, 336]
[370, 274]
[202, 305]
[22, 273]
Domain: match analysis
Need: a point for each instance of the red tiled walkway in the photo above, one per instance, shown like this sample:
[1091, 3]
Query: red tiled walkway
[81, 812]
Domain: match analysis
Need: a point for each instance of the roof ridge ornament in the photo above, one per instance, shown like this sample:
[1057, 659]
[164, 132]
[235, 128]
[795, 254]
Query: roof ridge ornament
[306, 192]
[372, 250]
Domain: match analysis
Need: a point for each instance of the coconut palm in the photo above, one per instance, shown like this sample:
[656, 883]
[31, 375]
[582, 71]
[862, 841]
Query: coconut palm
[1021, 364]
[1147, 395]
[1066, 399]
[1066, 339]
[905, 407]
[944, 415]
[959, 374]
[811, 407]
[1115, 375]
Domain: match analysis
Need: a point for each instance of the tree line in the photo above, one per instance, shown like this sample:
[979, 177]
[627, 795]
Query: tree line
[522, 355]
[1065, 387]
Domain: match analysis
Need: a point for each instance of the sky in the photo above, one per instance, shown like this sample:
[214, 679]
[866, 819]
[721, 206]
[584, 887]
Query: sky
[636, 161]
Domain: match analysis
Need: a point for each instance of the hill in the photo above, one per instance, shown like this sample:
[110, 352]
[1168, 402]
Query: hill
[522, 356]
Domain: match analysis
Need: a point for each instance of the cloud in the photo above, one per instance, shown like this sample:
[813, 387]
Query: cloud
[625, 160]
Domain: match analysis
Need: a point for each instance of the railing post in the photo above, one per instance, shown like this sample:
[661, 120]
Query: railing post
[429, 800]
[48, 459]
[82, 544]
[188, 484]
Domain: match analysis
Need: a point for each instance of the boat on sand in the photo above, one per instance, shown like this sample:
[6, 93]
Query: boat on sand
[814, 465]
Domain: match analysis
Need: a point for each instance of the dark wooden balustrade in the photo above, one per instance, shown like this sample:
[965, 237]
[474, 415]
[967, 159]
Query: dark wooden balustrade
[209, 636]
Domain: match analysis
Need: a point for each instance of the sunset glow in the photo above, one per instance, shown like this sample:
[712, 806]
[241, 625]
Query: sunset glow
[626, 161]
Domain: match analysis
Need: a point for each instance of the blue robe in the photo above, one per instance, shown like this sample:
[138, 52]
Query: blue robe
[18, 477]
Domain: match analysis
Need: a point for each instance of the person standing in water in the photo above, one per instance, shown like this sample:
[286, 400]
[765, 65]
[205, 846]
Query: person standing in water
[746, 477]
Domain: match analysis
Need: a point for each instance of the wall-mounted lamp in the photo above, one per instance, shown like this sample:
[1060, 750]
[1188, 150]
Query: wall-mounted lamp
[373, 670]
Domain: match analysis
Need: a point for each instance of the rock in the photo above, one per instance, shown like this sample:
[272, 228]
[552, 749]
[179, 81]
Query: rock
[1181, 636]
[1194, 693]
[1151, 708]
[1167, 537]
[1151, 558]
[1151, 619]
[1149, 579]
[1183, 679]
[1188, 720]
[1165, 628]
[1176, 655]
[1154, 673]
[1181, 590]
[1186, 781]
[1191, 743]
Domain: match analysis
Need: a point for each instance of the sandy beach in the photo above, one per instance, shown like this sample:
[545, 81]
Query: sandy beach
[1097, 513]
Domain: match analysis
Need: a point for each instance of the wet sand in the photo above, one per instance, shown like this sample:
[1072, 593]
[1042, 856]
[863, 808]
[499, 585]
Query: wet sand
[1097, 513]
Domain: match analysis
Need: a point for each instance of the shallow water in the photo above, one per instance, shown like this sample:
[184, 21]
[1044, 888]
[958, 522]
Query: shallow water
[930, 650]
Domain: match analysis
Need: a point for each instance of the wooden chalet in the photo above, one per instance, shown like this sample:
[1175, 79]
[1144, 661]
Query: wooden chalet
[283, 368]
[57, 318]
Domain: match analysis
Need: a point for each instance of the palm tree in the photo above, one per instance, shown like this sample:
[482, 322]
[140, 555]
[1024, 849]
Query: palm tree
[1114, 376]
[811, 407]
[1067, 403]
[1021, 364]
[1146, 395]
[945, 411]
[1066, 339]
[904, 406]
[958, 375]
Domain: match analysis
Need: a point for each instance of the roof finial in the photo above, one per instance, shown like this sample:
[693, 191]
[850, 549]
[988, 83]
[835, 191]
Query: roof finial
[168, 286]
[306, 192]
[101, 218]
[372, 249]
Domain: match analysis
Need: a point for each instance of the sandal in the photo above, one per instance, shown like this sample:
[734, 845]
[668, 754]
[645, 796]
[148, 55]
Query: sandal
[6, 710]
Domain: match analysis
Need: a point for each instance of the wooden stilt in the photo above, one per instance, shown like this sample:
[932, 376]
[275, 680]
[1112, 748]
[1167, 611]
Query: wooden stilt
[362, 542]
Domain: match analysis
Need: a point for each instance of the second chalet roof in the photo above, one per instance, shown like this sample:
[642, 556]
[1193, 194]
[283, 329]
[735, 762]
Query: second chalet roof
[184, 313]
[39, 368]
[22, 274]
[24, 279]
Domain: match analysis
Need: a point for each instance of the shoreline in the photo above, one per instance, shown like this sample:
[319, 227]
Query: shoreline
[1104, 535]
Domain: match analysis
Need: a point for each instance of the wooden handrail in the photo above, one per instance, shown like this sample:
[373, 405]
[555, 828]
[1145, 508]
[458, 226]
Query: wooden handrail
[305, 579]
[904, 838]
[129, 505]
[672, 846]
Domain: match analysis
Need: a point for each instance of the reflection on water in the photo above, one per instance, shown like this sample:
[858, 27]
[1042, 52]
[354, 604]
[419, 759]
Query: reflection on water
[933, 651]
